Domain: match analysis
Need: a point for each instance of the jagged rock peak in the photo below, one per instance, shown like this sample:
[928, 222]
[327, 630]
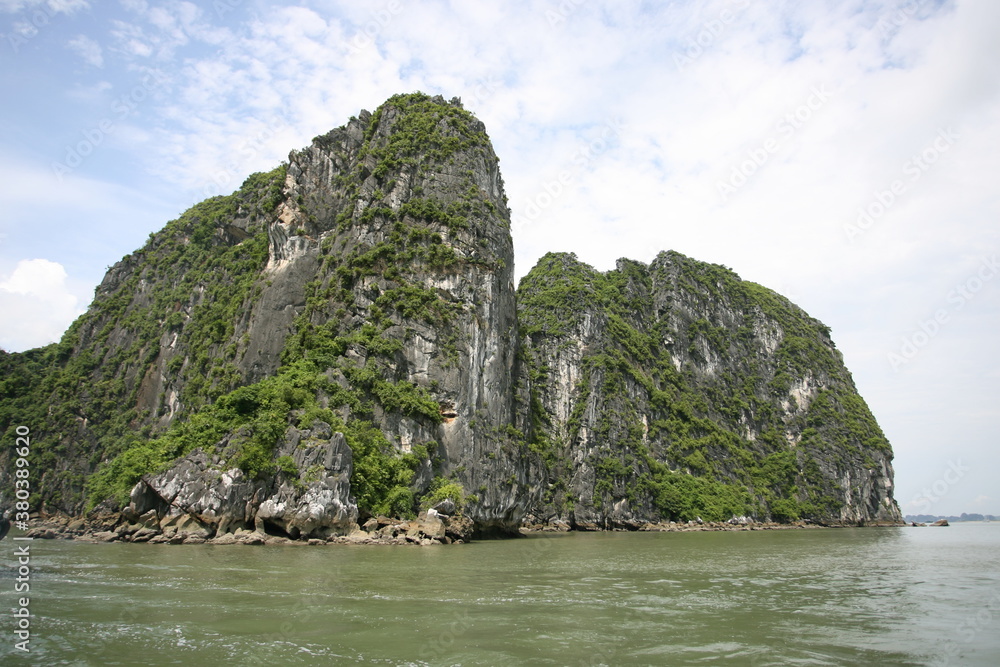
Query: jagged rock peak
[675, 390]
[340, 338]
[413, 147]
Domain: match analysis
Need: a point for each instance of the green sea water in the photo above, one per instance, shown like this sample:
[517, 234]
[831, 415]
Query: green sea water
[876, 596]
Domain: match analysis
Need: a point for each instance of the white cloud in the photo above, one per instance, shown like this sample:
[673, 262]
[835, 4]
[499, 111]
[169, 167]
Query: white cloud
[139, 6]
[68, 6]
[157, 33]
[88, 49]
[81, 223]
[37, 305]
[47, 7]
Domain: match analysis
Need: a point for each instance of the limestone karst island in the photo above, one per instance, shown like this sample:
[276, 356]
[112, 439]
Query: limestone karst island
[337, 351]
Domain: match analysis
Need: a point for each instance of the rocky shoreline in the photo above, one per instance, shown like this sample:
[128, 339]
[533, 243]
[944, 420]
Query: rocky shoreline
[430, 528]
[733, 525]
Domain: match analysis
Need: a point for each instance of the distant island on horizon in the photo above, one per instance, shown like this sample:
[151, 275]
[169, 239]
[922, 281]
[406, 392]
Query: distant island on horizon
[929, 518]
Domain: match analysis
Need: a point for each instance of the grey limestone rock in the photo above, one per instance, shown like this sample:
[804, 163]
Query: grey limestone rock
[648, 377]
[379, 259]
[199, 494]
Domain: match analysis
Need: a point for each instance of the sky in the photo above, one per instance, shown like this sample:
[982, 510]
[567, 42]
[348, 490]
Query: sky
[843, 153]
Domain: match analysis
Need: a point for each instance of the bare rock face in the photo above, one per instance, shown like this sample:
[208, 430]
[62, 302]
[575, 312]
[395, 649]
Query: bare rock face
[407, 212]
[382, 269]
[318, 502]
[195, 491]
[677, 391]
[199, 492]
[341, 339]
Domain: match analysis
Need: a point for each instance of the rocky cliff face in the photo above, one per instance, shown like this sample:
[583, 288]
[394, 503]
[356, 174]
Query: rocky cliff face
[340, 338]
[678, 391]
[366, 286]
[308, 499]
[402, 219]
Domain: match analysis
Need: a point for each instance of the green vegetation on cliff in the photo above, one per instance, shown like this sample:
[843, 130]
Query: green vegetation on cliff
[326, 333]
[178, 307]
[683, 407]
[366, 285]
[82, 397]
